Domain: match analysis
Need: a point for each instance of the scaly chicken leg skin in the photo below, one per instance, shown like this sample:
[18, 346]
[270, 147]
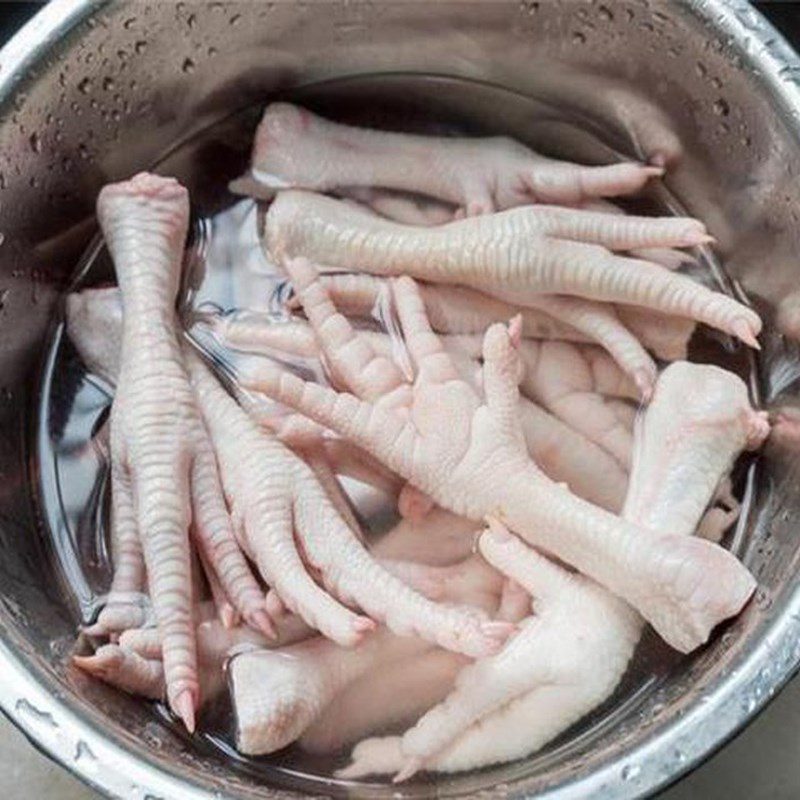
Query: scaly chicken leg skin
[533, 250]
[563, 453]
[154, 422]
[280, 502]
[94, 324]
[470, 456]
[460, 310]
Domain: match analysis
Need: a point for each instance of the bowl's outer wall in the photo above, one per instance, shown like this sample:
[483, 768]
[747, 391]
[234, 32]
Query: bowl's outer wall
[92, 93]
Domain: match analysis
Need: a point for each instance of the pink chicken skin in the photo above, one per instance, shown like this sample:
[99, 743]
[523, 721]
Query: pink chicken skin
[573, 650]
[481, 467]
[296, 148]
[530, 250]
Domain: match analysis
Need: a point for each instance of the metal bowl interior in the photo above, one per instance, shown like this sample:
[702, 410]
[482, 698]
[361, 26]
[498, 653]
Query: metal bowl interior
[90, 94]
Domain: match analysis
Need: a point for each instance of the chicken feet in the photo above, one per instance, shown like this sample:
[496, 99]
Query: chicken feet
[532, 250]
[294, 147]
[469, 455]
[515, 702]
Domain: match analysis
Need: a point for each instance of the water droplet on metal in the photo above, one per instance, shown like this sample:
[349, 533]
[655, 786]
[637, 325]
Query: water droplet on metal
[605, 13]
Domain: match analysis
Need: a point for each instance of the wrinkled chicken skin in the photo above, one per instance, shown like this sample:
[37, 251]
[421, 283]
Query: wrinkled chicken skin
[266, 508]
[94, 324]
[469, 455]
[550, 669]
[531, 250]
[504, 708]
[157, 437]
[134, 663]
[416, 210]
[296, 148]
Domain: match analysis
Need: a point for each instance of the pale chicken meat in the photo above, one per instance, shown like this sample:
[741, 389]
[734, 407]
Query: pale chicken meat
[295, 148]
[557, 668]
[483, 356]
[460, 310]
[531, 250]
[468, 453]
[277, 696]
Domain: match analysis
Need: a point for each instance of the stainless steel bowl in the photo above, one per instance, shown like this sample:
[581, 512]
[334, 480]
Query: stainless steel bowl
[91, 93]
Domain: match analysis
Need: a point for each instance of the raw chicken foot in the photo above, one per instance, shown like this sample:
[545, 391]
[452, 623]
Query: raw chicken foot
[460, 310]
[564, 454]
[470, 456]
[550, 668]
[531, 250]
[94, 324]
[134, 664]
[161, 464]
[294, 147]
[286, 518]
